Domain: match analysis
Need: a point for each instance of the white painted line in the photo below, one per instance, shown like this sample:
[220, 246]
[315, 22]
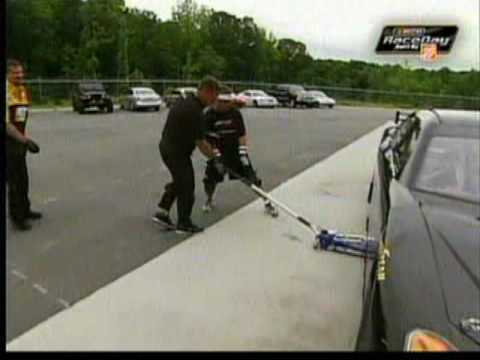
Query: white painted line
[19, 274]
[64, 303]
[40, 289]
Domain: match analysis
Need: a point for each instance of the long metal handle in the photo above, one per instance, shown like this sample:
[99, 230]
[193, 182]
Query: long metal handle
[266, 196]
[351, 244]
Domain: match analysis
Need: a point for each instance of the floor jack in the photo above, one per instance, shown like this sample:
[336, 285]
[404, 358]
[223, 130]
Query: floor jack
[329, 240]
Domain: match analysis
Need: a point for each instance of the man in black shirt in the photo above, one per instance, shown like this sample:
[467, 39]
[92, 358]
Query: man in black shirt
[183, 132]
[227, 135]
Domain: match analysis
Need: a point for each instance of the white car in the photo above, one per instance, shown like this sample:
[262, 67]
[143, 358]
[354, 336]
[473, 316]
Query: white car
[141, 98]
[258, 98]
[315, 98]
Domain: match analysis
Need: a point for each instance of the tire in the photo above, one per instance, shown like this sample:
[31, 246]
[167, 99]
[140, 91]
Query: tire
[330, 106]
[255, 104]
[110, 108]
[157, 108]
[81, 109]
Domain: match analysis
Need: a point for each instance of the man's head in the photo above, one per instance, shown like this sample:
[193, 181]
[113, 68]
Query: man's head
[225, 100]
[15, 72]
[208, 90]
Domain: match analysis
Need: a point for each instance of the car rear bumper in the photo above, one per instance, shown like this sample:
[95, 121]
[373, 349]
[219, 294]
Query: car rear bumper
[95, 103]
[267, 104]
[146, 104]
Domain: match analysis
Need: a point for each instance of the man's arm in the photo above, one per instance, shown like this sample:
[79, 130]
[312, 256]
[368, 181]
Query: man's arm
[13, 132]
[242, 141]
[206, 149]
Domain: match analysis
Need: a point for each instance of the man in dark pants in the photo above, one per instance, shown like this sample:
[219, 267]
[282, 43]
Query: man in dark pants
[226, 132]
[183, 132]
[17, 145]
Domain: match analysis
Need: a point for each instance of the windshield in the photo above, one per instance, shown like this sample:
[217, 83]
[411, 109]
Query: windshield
[451, 166]
[144, 92]
[317, 93]
[296, 88]
[258, 93]
[92, 87]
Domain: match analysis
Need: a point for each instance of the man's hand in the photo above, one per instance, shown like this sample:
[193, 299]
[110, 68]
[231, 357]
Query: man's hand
[251, 175]
[244, 158]
[32, 146]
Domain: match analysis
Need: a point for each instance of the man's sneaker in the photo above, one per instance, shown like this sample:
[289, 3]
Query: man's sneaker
[34, 215]
[190, 228]
[163, 219]
[208, 207]
[21, 225]
[271, 210]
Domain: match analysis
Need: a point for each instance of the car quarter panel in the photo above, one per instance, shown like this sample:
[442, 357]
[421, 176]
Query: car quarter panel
[411, 294]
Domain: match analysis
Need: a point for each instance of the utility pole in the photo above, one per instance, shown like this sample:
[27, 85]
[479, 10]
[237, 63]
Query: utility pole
[123, 68]
[188, 65]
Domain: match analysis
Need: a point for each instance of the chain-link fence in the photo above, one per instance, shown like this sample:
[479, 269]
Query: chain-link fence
[58, 93]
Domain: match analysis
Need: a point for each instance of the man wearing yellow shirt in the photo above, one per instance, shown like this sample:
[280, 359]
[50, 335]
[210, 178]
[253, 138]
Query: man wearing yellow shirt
[17, 145]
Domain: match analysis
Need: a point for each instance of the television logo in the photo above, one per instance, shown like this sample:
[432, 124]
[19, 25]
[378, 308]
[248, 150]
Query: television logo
[427, 41]
[429, 52]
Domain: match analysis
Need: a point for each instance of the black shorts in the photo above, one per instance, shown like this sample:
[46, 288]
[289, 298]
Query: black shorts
[232, 163]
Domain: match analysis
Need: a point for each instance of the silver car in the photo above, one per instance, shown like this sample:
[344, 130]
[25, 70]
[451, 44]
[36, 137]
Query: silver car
[141, 98]
[315, 98]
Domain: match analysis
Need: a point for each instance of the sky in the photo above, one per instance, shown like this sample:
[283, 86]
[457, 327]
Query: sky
[350, 29]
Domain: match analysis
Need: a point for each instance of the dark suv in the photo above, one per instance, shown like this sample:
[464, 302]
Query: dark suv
[286, 94]
[91, 94]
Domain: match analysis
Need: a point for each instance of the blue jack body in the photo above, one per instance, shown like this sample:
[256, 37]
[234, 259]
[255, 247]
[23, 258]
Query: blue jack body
[355, 245]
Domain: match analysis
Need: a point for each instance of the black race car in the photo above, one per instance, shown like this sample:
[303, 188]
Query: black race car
[423, 291]
[91, 94]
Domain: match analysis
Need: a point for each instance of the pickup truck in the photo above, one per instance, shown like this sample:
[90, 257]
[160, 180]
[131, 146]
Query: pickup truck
[286, 94]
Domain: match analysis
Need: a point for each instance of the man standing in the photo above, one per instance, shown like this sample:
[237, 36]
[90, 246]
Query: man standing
[183, 132]
[17, 145]
[226, 132]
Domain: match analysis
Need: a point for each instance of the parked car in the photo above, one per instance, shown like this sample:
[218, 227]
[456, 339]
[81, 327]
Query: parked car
[314, 98]
[258, 98]
[424, 208]
[91, 94]
[141, 98]
[286, 94]
[171, 95]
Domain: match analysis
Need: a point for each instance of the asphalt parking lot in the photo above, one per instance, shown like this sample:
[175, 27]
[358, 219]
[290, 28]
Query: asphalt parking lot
[99, 177]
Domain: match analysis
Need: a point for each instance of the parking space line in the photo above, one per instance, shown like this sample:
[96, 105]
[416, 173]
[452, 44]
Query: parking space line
[39, 288]
[19, 274]
[64, 303]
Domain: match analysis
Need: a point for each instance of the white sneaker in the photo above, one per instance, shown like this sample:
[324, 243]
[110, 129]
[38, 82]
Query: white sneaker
[208, 207]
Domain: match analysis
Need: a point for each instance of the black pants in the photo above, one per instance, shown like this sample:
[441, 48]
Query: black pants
[182, 187]
[17, 180]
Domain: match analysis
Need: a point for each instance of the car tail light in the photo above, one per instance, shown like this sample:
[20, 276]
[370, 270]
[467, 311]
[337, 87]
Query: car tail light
[424, 340]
